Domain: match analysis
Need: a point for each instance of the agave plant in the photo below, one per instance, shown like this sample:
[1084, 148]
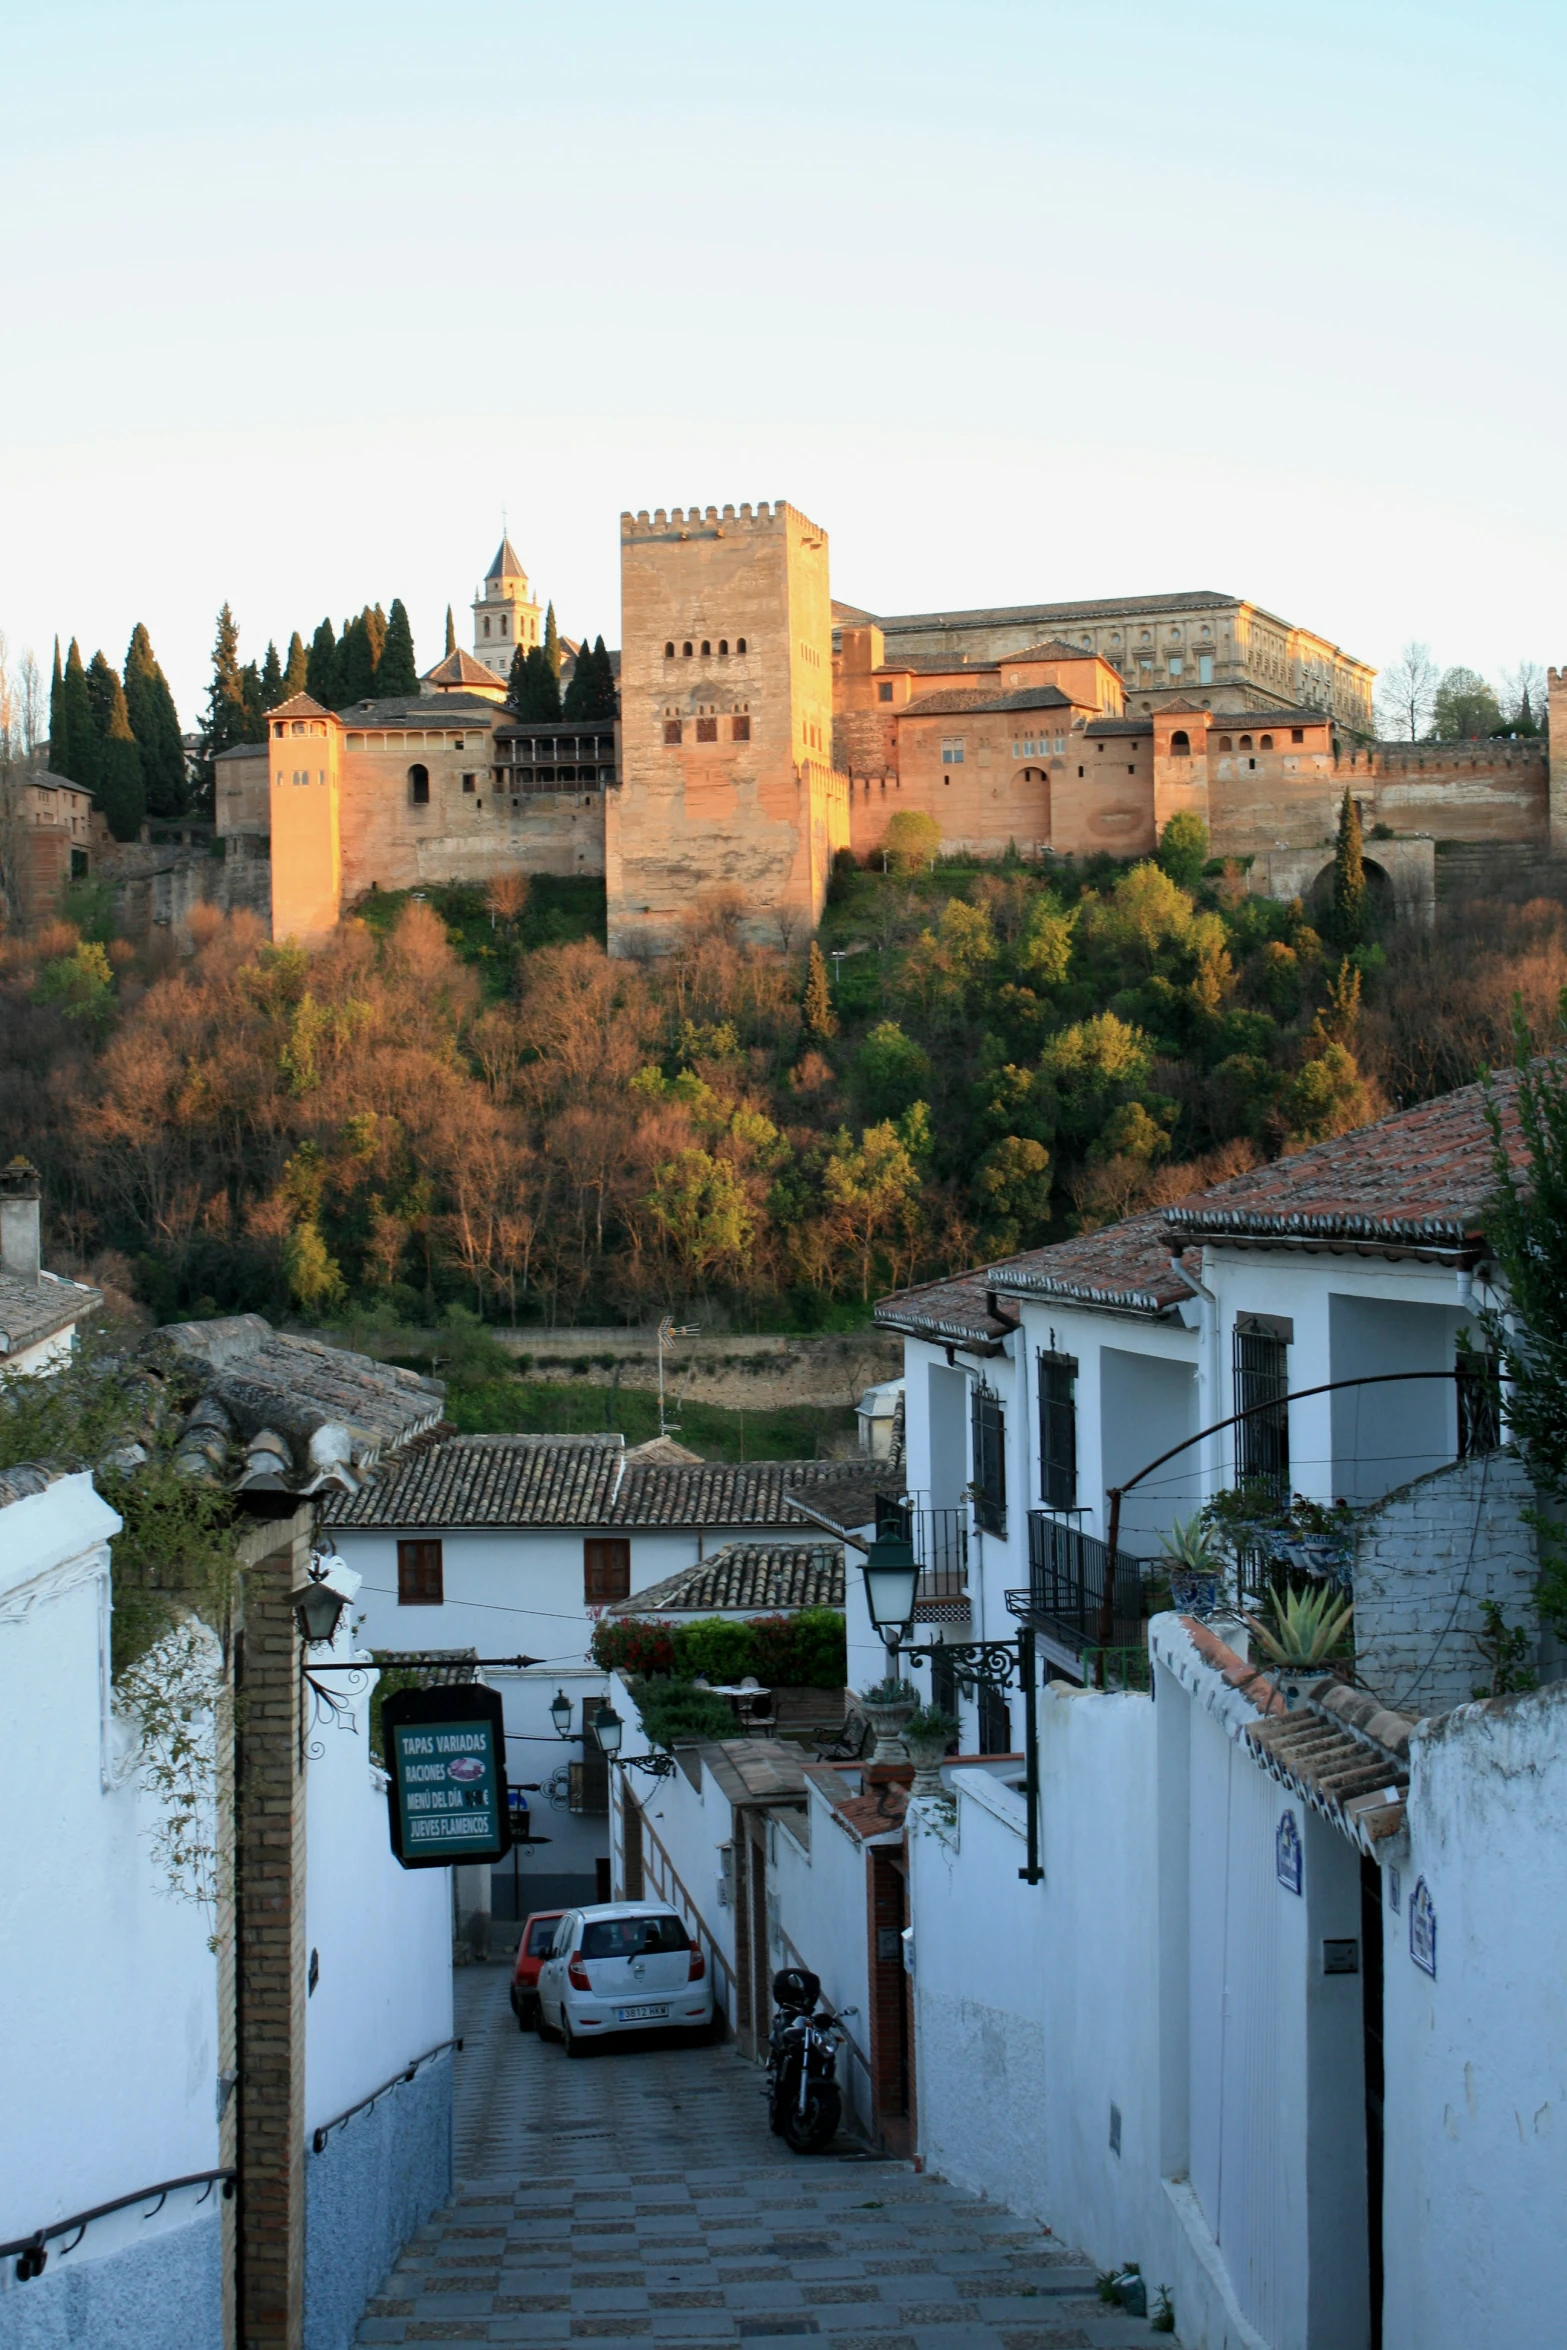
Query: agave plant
[1307, 1625]
[1190, 1544]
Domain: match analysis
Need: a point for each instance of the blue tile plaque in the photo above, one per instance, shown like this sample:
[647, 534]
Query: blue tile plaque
[1287, 1853]
[1422, 1928]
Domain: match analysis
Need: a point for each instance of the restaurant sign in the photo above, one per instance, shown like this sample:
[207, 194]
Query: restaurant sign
[446, 1756]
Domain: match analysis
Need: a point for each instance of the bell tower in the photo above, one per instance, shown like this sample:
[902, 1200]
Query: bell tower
[504, 613]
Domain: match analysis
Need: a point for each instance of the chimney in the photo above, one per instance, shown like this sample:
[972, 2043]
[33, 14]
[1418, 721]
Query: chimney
[19, 1244]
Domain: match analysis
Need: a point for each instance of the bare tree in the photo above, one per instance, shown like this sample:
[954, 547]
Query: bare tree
[1406, 692]
[1523, 696]
[13, 783]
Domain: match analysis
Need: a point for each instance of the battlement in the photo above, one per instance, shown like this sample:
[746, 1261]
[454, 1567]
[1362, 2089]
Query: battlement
[683, 522]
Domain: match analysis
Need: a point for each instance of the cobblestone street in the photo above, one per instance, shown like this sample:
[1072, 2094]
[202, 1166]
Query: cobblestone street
[638, 2196]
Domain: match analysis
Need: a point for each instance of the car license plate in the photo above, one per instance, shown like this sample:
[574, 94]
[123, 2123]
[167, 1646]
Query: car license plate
[639, 2015]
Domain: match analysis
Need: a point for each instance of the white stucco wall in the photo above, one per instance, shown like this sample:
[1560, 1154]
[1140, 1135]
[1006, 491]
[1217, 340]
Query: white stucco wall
[1477, 2057]
[691, 1817]
[819, 1898]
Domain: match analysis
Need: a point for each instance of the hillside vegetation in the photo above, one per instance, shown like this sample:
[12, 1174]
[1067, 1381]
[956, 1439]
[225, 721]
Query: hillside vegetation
[461, 1103]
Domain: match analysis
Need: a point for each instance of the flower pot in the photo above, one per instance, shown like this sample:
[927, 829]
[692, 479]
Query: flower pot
[927, 1755]
[1193, 1593]
[887, 1721]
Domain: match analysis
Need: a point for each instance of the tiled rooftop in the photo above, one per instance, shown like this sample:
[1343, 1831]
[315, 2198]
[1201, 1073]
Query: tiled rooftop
[1003, 615]
[34, 1310]
[959, 701]
[1127, 1265]
[954, 1308]
[756, 1576]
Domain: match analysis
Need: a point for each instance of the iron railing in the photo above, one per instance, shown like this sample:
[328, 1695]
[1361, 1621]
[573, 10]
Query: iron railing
[1068, 1572]
[939, 1538]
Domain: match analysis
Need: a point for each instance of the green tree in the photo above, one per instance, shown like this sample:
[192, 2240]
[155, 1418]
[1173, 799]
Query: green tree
[271, 677]
[910, 842]
[451, 632]
[1464, 708]
[818, 1021]
[551, 647]
[1012, 1187]
[76, 753]
[1044, 948]
[890, 1071]
[122, 795]
[156, 726]
[535, 689]
[869, 1186]
[1350, 907]
[323, 668]
[699, 1203]
[356, 661]
[1183, 848]
[395, 671]
[601, 699]
[59, 747]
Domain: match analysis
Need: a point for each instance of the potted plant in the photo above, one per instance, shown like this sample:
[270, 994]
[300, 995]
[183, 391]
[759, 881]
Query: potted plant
[1196, 1567]
[887, 1707]
[1306, 1627]
[927, 1734]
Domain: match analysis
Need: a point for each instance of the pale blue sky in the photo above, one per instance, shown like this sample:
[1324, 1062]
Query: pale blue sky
[1019, 300]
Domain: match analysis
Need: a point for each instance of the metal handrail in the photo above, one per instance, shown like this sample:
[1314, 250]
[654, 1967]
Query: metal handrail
[675, 1878]
[31, 2248]
[320, 2135]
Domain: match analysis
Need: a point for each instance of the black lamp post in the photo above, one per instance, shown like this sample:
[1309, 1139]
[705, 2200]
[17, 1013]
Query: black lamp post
[891, 1582]
[609, 1729]
[317, 1604]
[560, 1713]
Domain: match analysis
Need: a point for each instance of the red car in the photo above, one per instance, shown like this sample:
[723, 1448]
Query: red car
[532, 1951]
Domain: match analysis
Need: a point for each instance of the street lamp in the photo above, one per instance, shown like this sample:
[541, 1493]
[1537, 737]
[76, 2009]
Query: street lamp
[560, 1713]
[891, 1578]
[608, 1729]
[317, 1604]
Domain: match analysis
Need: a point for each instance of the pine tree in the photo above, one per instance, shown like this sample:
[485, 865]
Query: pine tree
[451, 633]
[271, 678]
[1349, 878]
[395, 672]
[156, 726]
[122, 794]
[323, 670]
[356, 661]
[535, 692]
[78, 754]
[552, 643]
[58, 747]
[818, 1021]
[296, 669]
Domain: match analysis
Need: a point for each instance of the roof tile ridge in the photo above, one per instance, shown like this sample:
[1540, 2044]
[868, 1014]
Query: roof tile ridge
[1242, 1677]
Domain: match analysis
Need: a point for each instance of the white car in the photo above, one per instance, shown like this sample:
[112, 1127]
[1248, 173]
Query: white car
[622, 1966]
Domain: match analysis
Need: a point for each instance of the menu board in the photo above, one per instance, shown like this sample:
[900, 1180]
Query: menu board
[446, 1757]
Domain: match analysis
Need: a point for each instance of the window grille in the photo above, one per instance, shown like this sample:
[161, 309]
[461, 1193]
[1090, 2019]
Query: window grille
[707, 730]
[1479, 1405]
[1057, 1431]
[740, 728]
[1261, 1368]
[990, 1463]
[671, 730]
[995, 1722]
[943, 1682]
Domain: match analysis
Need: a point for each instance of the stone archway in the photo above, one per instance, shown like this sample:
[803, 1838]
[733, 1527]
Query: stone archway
[1028, 815]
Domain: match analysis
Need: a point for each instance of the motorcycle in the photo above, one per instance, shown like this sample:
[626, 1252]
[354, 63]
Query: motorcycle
[804, 2101]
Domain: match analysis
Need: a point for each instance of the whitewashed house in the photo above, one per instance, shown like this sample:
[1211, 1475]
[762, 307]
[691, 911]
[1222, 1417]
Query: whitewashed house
[39, 1311]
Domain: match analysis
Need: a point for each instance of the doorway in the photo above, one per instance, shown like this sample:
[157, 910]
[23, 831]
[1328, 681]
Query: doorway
[892, 2018]
[631, 1867]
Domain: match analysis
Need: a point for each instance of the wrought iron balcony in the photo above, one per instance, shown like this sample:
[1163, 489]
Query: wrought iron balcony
[940, 1542]
[1068, 1575]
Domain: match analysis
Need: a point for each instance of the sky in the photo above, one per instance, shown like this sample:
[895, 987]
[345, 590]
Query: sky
[1020, 301]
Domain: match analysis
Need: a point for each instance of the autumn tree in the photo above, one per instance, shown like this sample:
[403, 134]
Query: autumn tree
[817, 1019]
[1350, 909]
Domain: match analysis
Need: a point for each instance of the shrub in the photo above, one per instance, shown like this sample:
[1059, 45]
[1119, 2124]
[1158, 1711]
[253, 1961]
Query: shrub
[1183, 848]
[716, 1648]
[629, 1645]
[804, 1651]
[910, 842]
[673, 1709]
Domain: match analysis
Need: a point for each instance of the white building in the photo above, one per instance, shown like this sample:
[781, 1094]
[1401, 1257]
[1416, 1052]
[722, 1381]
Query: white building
[39, 1311]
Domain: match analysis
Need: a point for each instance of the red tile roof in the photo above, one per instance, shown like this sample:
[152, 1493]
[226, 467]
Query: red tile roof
[1125, 1266]
[954, 1308]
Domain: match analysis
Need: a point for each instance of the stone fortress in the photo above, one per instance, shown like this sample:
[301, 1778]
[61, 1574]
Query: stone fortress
[764, 728]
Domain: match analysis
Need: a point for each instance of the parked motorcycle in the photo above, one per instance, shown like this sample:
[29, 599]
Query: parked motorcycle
[804, 2101]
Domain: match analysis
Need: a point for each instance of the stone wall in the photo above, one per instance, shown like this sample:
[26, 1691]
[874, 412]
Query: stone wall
[158, 884]
[1425, 1561]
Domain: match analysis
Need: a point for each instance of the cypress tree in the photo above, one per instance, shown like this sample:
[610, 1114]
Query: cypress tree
[253, 695]
[323, 669]
[517, 682]
[355, 661]
[552, 643]
[1349, 878]
[574, 695]
[271, 678]
[58, 749]
[451, 633]
[536, 693]
[121, 791]
[818, 1021]
[156, 726]
[395, 671]
[78, 728]
[605, 700]
[375, 624]
[233, 700]
[296, 669]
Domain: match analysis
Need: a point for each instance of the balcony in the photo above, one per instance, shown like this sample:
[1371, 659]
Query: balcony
[940, 1542]
[1067, 1575]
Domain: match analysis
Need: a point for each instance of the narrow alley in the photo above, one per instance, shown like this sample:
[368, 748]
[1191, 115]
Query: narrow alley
[639, 2196]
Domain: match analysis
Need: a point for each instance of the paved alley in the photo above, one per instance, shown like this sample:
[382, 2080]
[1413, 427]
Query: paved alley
[638, 2196]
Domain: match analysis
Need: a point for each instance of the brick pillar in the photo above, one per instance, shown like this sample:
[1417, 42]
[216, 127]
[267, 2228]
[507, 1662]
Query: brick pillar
[269, 1973]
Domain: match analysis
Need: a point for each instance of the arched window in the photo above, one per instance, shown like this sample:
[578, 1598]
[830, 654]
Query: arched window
[706, 648]
[686, 649]
[1180, 743]
[1266, 743]
[1245, 742]
[1224, 742]
[669, 652]
[503, 624]
[739, 644]
[723, 647]
[486, 628]
[419, 786]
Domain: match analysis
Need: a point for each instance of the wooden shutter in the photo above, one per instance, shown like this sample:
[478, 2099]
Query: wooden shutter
[419, 1575]
[990, 1474]
[606, 1569]
[1057, 1431]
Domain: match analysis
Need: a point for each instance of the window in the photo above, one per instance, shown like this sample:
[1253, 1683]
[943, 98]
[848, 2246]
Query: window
[707, 730]
[990, 1467]
[634, 1938]
[952, 750]
[1261, 1372]
[503, 624]
[1224, 742]
[419, 1581]
[1057, 1431]
[943, 1681]
[884, 690]
[1479, 1405]
[669, 651]
[723, 648]
[469, 782]
[1297, 734]
[486, 628]
[739, 644]
[606, 1569]
[1181, 743]
[995, 1722]
[1266, 743]
[686, 650]
[671, 730]
[1177, 665]
[1245, 742]
[1205, 669]
[419, 786]
[740, 728]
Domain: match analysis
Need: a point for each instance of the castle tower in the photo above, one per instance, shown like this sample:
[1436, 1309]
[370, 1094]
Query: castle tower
[504, 613]
[304, 757]
[726, 725]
